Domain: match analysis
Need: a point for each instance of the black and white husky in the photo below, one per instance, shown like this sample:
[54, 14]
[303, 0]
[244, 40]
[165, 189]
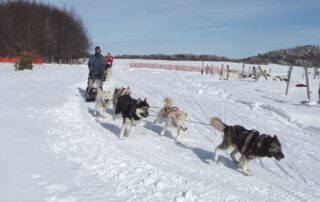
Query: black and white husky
[132, 111]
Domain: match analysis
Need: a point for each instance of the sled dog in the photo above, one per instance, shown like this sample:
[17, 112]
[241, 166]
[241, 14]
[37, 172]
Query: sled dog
[173, 117]
[132, 111]
[116, 94]
[107, 73]
[102, 102]
[249, 143]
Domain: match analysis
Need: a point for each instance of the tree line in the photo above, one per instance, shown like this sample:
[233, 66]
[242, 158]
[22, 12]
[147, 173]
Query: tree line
[52, 33]
[189, 57]
[307, 56]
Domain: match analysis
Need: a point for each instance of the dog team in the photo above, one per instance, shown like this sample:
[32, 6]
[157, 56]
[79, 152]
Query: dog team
[236, 139]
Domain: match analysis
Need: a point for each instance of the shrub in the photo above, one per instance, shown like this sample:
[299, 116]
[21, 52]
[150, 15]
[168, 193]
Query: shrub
[24, 61]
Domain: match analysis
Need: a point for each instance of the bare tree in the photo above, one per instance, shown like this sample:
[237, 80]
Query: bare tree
[47, 30]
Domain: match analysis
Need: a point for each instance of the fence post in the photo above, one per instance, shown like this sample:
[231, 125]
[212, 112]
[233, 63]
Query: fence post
[242, 76]
[307, 82]
[289, 75]
[319, 93]
[221, 71]
[263, 73]
[227, 72]
[255, 73]
[316, 72]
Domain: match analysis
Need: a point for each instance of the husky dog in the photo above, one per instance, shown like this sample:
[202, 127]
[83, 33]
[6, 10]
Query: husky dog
[102, 102]
[249, 143]
[132, 110]
[116, 94]
[107, 73]
[173, 117]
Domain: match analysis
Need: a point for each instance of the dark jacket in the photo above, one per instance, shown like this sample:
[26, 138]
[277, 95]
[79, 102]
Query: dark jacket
[96, 65]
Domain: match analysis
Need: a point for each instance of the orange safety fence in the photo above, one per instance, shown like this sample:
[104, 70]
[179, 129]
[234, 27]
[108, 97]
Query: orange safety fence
[13, 60]
[209, 69]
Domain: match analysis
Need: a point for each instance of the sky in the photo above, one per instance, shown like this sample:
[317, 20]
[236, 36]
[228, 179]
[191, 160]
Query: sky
[231, 28]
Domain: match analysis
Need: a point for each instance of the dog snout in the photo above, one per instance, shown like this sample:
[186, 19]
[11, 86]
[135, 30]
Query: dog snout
[184, 128]
[279, 156]
[145, 114]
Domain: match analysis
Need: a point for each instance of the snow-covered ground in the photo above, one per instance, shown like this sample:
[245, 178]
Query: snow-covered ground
[52, 148]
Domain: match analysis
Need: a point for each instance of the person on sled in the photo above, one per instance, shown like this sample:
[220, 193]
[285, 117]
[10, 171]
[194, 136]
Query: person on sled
[108, 70]
[96, 65]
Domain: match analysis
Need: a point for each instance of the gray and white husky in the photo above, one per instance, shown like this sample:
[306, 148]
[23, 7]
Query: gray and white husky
[249, 143]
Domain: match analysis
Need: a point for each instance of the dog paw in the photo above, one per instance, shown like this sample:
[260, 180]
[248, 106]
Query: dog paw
[247, 174]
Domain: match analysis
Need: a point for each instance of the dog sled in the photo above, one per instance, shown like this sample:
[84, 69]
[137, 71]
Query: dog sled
[91, 91]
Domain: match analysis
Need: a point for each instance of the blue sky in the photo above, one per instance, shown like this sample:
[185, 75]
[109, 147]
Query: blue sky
[231, 28]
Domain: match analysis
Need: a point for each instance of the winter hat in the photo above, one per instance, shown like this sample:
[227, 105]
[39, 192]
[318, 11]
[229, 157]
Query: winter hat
[97, 48]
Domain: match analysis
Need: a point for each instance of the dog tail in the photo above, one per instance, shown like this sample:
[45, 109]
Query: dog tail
[218, 124]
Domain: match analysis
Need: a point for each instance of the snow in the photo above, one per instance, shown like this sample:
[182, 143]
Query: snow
[54, 149]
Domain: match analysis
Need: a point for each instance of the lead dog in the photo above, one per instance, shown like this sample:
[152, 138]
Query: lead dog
[249, 143]
[116, 94]
[132, 111]
[102, 102]
[173, 117]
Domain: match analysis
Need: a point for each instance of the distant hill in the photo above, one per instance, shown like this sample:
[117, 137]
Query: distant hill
[308, 56]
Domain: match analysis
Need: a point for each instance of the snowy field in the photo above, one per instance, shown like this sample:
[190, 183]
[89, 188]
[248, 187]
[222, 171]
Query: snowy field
[52, 148]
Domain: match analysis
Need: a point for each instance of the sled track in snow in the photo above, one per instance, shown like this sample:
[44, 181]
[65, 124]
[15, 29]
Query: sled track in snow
[97, 142]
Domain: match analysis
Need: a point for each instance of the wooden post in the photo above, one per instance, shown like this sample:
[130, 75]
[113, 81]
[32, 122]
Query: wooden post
[288, 82]
[243, 71]
[307, 82]
[221, 71]
[319, 92]
[316, 72]
[255, 73]
[227, 72]
[263, 73]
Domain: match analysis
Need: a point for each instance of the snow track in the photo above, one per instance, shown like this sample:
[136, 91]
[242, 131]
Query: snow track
[149, 167]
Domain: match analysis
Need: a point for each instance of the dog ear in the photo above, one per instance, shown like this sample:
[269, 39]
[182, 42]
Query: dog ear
[145, 99]
[139, 101]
